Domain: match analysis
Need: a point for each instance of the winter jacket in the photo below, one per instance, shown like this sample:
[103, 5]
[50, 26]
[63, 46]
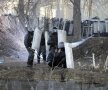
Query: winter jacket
[56, 59]
[53, 39]
[28, 39]
[42, 43]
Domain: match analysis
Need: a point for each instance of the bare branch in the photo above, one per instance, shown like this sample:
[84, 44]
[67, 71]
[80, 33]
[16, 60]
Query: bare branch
[72, 1]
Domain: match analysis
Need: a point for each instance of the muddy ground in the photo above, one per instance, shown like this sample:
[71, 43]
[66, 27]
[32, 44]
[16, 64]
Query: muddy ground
[14, 68]
[19, 71]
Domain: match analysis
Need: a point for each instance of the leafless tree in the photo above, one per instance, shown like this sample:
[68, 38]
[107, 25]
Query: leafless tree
[29, 12]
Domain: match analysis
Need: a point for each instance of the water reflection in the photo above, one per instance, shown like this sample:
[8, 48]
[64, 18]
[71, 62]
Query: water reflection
[1, 60]
[48, 85]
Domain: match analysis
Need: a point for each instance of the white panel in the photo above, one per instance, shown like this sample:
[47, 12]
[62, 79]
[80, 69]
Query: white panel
[69, 56]
[61, 36]
[36, 39]
[95, 27]
[106, 25]
[46, 40]
[102, 27]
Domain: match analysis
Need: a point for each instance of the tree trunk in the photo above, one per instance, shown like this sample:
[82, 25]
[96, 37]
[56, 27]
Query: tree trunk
[21, 12]
[77, 20]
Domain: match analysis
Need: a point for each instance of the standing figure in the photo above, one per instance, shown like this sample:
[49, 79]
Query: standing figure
[67, 26]
[61, 24]
[61, 55]
[28, 43]
[42, 49]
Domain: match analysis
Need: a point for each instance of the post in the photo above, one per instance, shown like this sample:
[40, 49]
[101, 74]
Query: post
[93, 56]
[69, 56]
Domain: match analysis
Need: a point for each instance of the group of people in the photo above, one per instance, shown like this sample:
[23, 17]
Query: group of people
[56, 56]
[62, 24]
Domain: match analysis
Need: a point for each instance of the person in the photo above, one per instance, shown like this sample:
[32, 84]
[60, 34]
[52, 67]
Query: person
[61, 24]
[52, 42]
[51, 55]
[56, 56]
[67, 26]
[61, 54]
[53, 39]
[28, 43]
[42, 49]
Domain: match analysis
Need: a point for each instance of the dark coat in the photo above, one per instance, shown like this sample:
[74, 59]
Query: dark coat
[28, 39]
[67, 26]
[56, 59]
[53, 39]
[42, 43]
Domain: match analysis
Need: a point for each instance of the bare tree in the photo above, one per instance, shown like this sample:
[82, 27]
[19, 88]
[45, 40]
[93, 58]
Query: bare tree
[27, 13]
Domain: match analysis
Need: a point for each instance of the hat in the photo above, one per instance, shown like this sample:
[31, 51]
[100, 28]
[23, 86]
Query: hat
[61, 45]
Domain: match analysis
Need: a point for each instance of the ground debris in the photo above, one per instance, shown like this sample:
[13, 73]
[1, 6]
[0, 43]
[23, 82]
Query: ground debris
[43, 72]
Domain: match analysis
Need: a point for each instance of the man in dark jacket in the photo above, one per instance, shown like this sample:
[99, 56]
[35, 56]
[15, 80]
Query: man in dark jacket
[28, 43]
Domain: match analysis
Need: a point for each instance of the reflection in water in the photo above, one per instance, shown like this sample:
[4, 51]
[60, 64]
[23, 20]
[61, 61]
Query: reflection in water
[1, 59]
[48, 85]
